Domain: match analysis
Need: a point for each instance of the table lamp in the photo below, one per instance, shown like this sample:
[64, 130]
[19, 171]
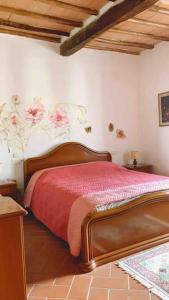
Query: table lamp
[134, 155]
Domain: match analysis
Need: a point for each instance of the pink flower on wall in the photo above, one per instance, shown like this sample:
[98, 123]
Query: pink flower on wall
[35, 112]
[14, 120]
[59, 118]
[17, 122]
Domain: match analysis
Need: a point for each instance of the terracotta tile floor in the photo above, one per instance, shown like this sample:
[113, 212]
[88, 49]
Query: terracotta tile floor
[53, 274]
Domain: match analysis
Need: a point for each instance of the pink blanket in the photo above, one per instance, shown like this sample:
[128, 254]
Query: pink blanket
[62, 197]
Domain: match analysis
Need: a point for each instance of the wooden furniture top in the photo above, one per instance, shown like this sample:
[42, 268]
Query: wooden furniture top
[7, 182]
[9, 188]
[65, 154]
[9, 207]
[147, 168]
[131, 166]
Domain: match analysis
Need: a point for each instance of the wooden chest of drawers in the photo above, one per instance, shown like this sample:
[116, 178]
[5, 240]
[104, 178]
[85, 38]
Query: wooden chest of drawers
[8, 188]
[12, 258]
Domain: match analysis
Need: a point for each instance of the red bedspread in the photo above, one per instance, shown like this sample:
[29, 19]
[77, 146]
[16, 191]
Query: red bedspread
[62, 197]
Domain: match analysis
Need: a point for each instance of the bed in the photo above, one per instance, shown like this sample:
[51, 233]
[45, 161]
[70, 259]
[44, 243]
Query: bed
[115, 232]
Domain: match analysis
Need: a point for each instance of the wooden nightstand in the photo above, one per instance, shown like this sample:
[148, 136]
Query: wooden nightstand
[12, 256]
[140, 168]
[8, 188]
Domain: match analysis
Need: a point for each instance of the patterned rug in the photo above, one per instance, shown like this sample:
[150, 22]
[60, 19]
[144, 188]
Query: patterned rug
[150, 268]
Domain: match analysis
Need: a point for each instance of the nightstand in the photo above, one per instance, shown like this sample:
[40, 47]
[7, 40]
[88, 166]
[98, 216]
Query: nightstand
[12, 256]
[8, 188]
[140, 168]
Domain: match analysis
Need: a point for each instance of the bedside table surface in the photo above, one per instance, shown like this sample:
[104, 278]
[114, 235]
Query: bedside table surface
[7, 182]
[9, 188]
[146, 168]
[138, 166]
[9, 207]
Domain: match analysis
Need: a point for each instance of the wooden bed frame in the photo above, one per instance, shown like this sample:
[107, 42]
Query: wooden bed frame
[118, 232]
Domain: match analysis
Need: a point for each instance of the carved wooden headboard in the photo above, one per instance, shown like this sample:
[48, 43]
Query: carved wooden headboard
[64, 154]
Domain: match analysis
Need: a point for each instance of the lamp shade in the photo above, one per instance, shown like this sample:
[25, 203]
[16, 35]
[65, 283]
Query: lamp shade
[134, 154]
[165, 1]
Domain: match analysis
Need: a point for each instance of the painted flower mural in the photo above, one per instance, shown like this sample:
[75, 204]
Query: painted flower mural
[18, 122]
[34, 112]
[59, 118]
[14, 120]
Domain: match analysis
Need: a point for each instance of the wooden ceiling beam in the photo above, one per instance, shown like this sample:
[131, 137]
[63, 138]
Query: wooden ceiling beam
[149, 23]
[30, 35]
[37, 16]
[73, 7]
[115, 15]
[25, 27]
[158, 9]
[95, 47]
[140, 34]
[125, 43]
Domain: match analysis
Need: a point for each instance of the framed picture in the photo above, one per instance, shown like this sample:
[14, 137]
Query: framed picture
[163, 105]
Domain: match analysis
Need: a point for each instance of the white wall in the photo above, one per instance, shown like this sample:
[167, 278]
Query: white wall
[154, 79]
[106, 83]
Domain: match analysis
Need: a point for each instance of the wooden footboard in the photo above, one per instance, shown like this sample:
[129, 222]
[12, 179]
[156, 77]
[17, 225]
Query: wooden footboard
[115, 233]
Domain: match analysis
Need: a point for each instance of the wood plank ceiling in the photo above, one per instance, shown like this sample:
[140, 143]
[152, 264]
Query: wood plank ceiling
[136, 34]
[128, 26]
[49, 20]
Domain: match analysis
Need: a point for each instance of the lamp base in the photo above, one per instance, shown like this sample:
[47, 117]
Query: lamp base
[134, 162]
